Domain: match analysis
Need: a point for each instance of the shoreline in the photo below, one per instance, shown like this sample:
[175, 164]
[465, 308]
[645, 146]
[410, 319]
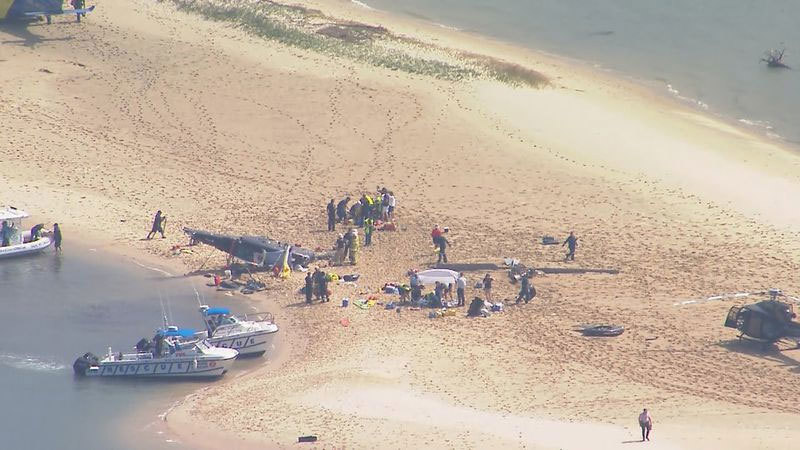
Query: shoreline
[659, 87]
[515, 168]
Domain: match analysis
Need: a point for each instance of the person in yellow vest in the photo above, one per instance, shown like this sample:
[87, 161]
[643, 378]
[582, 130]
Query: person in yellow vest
[354, 246]
[369, 228]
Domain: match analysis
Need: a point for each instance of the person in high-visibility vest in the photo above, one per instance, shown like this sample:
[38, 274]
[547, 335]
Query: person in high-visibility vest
[354, 246]
[369, 228]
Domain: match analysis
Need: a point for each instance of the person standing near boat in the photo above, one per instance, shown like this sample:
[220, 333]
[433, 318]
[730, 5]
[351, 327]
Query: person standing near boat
[5, 234]
[57, 237]
[158, 225]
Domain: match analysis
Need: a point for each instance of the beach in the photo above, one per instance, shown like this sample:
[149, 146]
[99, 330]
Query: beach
[144, 107]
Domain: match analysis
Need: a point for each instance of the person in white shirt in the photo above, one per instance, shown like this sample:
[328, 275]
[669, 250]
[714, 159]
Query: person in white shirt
[392, 204]
[461, 285]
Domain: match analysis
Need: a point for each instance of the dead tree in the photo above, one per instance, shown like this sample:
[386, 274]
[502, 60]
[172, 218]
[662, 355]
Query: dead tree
[774, 58]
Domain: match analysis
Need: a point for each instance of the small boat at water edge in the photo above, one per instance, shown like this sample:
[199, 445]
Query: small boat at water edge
[171, 354]
[249, 334]
[16, 242]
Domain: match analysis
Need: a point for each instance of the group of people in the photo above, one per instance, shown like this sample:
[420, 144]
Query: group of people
[317, 286]
[364, 212]
[8, 231]
[347, 247]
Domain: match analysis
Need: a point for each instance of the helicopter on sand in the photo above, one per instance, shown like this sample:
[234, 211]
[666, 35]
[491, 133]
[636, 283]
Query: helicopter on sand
[768, 321]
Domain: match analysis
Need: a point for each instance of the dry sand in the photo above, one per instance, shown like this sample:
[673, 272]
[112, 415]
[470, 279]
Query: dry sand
[142, 107]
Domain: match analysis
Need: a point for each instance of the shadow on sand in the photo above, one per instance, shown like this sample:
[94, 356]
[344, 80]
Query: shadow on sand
[24, 34]
[777, 353]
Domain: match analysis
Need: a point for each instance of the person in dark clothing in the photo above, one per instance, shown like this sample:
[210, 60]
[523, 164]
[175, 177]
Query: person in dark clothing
[341, 209]
[36, 232]
[323, 287]
[356, 214]
[158, 225]
[526, 291]
[571, 243]
[57, 237]
[442, 243]
[331, 216]
[317, 283]
[309, 291]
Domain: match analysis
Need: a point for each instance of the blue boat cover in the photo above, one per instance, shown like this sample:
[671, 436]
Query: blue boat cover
[180, 332]
[217, 310]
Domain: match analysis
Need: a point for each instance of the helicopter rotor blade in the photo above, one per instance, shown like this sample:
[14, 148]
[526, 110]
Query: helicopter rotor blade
[720, 297]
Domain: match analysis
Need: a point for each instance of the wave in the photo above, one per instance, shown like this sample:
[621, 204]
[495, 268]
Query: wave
[361, 4]
[694, 101]
[27, 362]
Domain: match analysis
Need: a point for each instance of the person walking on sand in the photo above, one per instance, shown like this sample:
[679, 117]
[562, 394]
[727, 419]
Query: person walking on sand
[309, 291]
[158, 225]
[57, 237]
[646, 424]
[436, 233]
[442, 242]
[571, 242]
[487, 287]
[461, 286]
[332, 216]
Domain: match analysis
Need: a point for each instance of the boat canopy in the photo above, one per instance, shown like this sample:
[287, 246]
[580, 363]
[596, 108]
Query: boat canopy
[11, 213]
[179, 332]
[216, 310]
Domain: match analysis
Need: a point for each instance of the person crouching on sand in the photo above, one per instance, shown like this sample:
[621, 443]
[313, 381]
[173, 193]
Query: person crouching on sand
[646, 423]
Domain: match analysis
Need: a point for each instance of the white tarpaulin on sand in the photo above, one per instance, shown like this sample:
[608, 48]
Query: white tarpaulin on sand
[431, 276]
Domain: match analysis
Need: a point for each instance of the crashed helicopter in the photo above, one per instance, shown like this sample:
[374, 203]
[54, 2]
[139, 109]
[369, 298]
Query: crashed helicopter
[768, 321]
[259, 251]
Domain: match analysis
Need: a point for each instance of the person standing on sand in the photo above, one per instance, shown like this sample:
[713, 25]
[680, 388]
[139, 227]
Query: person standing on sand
[341, 209]
[338, 256]
[331, 216]
[524, 288]
[354, 246]
[646, 423]
[369, 228]
[57, 237]
[436, 233]
[571, 243]
[309, 287]
[487, 287]
[392, 205]
[158, 225]
[461, 286]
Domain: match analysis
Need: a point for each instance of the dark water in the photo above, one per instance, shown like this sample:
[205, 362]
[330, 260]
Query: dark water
[55, 308]
[705, 52]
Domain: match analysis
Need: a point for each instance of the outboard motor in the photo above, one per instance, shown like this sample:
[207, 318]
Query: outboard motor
[83, 363]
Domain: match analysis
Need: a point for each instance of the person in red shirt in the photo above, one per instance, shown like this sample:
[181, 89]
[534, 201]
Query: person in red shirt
[436, 234]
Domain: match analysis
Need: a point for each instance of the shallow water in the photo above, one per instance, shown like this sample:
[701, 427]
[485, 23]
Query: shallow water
[705, 52]
[54, 309]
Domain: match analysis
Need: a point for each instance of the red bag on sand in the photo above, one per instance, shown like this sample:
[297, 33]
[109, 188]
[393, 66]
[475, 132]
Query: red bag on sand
[345, 322]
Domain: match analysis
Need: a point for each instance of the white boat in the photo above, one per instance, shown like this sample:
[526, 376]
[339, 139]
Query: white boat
[19, 242]
[250, 334]
[171, 354]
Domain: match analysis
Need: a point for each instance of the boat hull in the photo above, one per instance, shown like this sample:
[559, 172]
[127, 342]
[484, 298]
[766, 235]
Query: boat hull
[25, 249]
[248, 344]
[174, 368]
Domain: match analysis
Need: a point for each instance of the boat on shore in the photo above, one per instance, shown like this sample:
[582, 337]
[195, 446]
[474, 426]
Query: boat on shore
[15, 241]
[173, 353]
[249, 334]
